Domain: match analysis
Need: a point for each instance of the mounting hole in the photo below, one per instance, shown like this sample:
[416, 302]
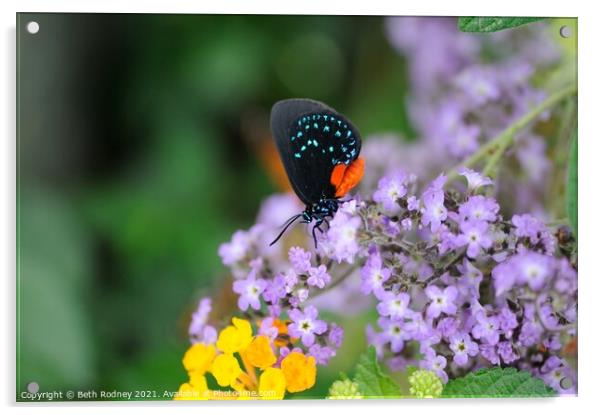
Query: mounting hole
[566, 383]
[33, 27]
[33, 387]
[565, 31]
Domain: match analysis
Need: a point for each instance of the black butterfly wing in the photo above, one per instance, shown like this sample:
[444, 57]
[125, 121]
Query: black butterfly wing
[312, 139]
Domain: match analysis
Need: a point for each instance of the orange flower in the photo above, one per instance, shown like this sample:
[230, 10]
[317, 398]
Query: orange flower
[260, 353]
[299, 371]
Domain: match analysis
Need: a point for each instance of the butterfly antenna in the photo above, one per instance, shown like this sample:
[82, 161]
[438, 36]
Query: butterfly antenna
[287, 224]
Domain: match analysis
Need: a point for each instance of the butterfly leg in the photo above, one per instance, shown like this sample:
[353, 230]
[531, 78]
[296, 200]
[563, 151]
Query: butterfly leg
[313, 231]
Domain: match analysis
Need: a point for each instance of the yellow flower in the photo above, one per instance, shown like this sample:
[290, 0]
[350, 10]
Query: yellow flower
[186, 392]
[260, 353]
[272, 384]
[235, 338]
[299, 371]
[191, 392]
[198, 380]
[198, 358]
[226, 369]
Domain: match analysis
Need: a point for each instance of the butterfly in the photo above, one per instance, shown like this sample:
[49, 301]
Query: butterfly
[320, 150]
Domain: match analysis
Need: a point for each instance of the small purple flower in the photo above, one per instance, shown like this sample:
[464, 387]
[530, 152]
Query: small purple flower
[418, 267]
[391, 227]
[479, 208]
[475, 235]
[506, 352]
[463, 347]
[393, 333]
[390, 189]
[341, 238]
[475, 180]
[533, 269]
[470, 280]
[552, 342]
[275, 290]
[318, 276]
[274, 310]
[373, 274]
[406, 224]
[322, 354]
[199, 331]
[413, 204]
[290, 279]
[268, 329]
[528, 226]
[235, 250]
[306, 325]
[285, 351]
[436, 363]
[486, 329]
[489, 352]
[507, 320]
[249, 289]
[442, 301]
[392, 305]
[298, 297]
[300, 259]
[256, 264]
[566, 281]
[504, 277]
[335, 335]
[448, 326]
[445, 239]
[530, 333]
[434, 212]
[416, 327]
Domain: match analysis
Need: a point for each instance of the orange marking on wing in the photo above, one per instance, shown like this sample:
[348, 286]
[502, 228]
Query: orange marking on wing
[351, 176]
[337, 174]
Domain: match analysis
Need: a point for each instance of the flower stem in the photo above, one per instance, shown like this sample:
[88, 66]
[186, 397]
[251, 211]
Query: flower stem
[498, 145]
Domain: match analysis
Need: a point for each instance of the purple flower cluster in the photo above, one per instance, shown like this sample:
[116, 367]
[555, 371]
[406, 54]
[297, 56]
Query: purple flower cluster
[467, 288]
[460, 99]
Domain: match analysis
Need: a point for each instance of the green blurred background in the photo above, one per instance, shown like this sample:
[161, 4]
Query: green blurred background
[143, 143]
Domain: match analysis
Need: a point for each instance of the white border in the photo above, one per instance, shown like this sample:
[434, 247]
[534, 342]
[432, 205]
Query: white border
[590, 152]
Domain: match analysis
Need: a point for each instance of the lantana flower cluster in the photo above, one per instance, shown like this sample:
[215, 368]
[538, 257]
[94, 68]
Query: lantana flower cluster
[243, 365]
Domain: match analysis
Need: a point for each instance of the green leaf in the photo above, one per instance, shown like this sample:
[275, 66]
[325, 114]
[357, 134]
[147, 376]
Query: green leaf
[571, 185]
[496, 382]
[492, 24]
[373, 383]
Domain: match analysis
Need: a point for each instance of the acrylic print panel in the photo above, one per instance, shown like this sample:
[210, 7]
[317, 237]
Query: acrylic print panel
[427, 171]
